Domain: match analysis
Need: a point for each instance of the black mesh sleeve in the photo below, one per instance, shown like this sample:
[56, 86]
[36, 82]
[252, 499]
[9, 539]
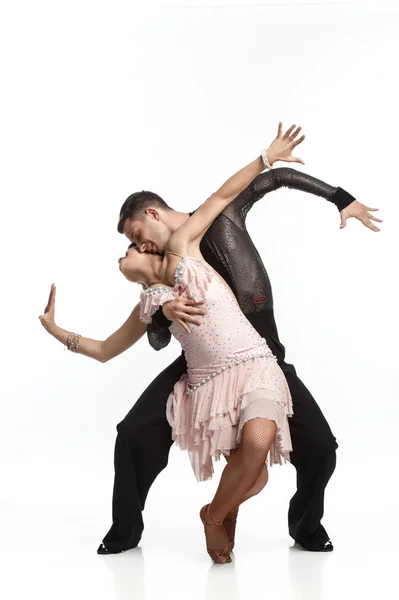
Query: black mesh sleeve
[158, 331]
[290, 178]
[224, 242]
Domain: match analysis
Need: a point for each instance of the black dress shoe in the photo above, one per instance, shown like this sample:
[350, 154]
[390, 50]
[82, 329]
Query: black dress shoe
[104, 550]
[315, 545]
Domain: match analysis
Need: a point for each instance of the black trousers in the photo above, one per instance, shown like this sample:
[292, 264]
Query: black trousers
[144, 440]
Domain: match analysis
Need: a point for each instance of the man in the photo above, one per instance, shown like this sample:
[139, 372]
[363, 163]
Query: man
[144, 436]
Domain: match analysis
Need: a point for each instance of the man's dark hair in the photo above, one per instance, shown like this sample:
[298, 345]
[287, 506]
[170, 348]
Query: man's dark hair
[135, 205]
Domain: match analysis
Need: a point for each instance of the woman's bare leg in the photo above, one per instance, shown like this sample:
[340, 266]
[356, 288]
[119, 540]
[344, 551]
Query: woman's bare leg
[242, 475]
[230, 520]
[243, 469]
[258, 486]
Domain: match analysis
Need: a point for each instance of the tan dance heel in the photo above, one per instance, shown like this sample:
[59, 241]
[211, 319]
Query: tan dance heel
[222, 555]
[229, 524]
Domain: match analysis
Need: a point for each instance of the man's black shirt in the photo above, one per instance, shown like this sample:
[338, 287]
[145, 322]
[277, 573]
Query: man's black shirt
[228, 247]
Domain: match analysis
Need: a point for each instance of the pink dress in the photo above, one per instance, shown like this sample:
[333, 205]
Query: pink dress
[232, 374]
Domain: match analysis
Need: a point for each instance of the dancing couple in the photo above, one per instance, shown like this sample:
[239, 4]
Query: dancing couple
[230, 393]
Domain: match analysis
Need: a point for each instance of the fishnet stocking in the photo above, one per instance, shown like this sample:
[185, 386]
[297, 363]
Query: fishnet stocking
[231, 519]
[258, 486]
[245, 473]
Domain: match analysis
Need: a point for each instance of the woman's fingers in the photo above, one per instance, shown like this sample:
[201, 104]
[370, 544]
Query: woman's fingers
[52, 295]
[289, 131]
[51, 299]
[296, 160]
[297, 142]
[295, 133]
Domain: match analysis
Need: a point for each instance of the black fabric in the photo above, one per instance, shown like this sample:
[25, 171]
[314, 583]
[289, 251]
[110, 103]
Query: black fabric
[141, 453]
[228, 248]
[342, 199]
[144, 436]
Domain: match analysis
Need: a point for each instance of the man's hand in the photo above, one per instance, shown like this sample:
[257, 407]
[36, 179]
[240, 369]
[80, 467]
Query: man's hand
[282, 147]
[184, 310]
[362, 213]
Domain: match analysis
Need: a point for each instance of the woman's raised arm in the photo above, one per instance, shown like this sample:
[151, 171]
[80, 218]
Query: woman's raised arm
[193, 230]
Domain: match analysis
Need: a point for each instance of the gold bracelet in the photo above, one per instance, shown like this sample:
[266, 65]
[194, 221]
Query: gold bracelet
[73, 342]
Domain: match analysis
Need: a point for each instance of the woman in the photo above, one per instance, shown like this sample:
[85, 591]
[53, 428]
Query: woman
[234, 400]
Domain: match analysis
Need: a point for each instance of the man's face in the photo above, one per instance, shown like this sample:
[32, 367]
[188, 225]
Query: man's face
[148, 233]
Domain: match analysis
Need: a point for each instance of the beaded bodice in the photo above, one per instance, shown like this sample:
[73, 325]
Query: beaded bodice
[224, 330]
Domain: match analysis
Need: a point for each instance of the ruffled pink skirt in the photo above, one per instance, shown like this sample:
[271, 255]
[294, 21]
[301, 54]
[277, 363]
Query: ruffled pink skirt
[210, 405]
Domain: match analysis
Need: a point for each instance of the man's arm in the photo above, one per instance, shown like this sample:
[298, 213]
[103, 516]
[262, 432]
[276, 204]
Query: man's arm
[287, 177]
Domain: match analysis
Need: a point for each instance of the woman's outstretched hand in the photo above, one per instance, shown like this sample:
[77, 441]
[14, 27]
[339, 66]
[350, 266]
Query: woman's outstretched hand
[47, 318]
[281, 148]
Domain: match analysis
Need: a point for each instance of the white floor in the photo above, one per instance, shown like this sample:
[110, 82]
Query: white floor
[49, 550]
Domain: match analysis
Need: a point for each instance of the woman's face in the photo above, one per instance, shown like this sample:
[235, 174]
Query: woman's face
[137, 266]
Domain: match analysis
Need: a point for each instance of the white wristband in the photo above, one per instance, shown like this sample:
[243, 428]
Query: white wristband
[265, 160]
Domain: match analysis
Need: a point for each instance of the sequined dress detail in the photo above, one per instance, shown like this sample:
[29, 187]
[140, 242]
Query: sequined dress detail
[232, 375]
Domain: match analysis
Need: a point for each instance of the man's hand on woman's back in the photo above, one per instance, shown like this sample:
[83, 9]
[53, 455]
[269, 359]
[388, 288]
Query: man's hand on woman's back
[183, 310]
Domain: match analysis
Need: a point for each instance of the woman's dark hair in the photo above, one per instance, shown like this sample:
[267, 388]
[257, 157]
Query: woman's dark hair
[135, 205]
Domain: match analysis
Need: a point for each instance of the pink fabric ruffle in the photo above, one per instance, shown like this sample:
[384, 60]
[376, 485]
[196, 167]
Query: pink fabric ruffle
[196, 278]
[208, 422]
[149, 303]
[245, 384]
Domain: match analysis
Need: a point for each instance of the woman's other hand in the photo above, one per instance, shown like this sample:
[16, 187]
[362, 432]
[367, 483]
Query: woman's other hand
[281, 148]
[47, 318]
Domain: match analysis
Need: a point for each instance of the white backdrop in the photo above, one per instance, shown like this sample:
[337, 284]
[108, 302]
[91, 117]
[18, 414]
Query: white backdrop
[101, 99]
